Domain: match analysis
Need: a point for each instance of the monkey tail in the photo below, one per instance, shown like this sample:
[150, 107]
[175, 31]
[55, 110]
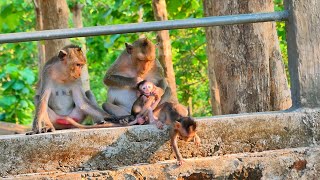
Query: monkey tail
[81, 126]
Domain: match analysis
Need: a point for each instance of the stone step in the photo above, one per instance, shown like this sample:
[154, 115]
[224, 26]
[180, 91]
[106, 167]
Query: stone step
[296, 163]
[106, 149]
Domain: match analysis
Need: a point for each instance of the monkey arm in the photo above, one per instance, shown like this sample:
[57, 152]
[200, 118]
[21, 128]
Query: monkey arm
[167, 90]
[159, 93]
[41, 116]
[119, 81]
[147, 105]
[174, 144]
[86, 105]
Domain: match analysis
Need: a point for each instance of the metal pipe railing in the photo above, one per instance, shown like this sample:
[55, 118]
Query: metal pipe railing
[143, 27]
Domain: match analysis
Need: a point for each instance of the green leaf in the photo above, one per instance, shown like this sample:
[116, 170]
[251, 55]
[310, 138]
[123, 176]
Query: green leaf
[18, 85]
[25, 90]
[7, 100]
[2, 116]
[28, 75]
[23, 103]
[7, 85]
[10, 68]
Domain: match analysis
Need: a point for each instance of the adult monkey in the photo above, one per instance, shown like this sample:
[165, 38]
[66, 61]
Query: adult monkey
[60, 94]
[136, 63]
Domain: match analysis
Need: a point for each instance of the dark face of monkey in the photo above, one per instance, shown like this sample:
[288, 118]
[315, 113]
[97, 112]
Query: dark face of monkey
[146, 87]
[74, 60]
[186, 128]
[143, 53]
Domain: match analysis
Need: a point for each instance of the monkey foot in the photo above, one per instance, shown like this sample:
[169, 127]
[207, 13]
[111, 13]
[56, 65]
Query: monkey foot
[42, 130]
[140, 120]
[159, 125]
[180, 162]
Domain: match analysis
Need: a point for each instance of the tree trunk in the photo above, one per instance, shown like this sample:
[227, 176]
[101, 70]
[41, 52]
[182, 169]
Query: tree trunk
[165, 56]
[55, 16]
[245, 61]
[39, 27]
[77, 21]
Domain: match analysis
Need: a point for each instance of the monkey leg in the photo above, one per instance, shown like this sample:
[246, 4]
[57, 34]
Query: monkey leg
[59, 121]
[93, 100]
[120, 101]
[115, 109]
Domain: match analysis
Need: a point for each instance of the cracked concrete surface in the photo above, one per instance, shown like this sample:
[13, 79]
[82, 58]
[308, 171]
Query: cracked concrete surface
[107, 149]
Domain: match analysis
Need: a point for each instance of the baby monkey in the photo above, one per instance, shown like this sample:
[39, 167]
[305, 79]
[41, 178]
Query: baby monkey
[149, 96]
[180, 123]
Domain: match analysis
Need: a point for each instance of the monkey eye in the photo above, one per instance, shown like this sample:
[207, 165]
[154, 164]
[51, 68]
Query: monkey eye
[79, 65]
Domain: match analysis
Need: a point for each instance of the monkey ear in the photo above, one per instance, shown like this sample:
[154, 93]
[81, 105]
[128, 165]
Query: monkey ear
[79, 49]
[177, 125]
[62, 54]
[129, 48]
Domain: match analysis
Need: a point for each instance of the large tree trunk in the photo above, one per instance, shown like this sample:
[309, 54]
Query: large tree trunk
[39, 27]
[77, 21]
[248, 73]
[55, 16]
[165, 56]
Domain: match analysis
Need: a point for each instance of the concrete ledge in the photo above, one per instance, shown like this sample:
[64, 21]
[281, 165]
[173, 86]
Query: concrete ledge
[105, 149]
[298, 163]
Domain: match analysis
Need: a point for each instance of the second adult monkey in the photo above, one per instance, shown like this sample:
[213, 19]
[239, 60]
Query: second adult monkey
[136, 62]
[60, 94]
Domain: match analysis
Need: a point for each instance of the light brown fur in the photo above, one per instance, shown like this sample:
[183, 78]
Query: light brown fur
[136, 62]
[180, 123]
[60, 94]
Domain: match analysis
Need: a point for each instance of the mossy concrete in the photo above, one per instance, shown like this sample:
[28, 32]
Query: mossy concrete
[107, 149]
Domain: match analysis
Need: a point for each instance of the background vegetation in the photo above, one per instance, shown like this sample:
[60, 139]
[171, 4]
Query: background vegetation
[19, 63]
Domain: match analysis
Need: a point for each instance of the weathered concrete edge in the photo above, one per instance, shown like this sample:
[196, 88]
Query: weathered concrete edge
[104, 149]
[296, 163]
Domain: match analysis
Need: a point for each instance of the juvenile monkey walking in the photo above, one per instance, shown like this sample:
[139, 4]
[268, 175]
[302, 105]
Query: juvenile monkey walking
[60, 95]
[180, 123]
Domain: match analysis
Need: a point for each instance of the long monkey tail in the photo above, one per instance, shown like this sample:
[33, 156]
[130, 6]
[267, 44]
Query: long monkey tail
[81, 126]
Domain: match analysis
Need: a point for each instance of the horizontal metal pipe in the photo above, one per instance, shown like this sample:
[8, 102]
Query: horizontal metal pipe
[143, 27]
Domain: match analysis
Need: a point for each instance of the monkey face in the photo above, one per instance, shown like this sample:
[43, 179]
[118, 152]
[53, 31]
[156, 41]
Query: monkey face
[146, 88]
[186, 129]
[76, 61]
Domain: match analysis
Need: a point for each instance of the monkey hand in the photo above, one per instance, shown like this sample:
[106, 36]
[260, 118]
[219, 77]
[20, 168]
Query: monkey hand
[180, 162]
[140, 120]
[139, 79]
[159, 125]
[197, 141]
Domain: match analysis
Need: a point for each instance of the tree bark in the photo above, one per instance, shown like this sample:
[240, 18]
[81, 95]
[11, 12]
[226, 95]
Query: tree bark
[39, 27]
[245, 66]
[77, 21]
[303, 40]
[165, 55]
[55, 16]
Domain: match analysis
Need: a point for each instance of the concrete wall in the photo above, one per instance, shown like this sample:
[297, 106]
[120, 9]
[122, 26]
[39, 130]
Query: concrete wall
[298, 163]
[105, 149]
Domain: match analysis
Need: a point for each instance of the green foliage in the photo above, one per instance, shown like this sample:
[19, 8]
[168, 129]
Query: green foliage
[16, 86]
[18, 62]
[278, 6]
